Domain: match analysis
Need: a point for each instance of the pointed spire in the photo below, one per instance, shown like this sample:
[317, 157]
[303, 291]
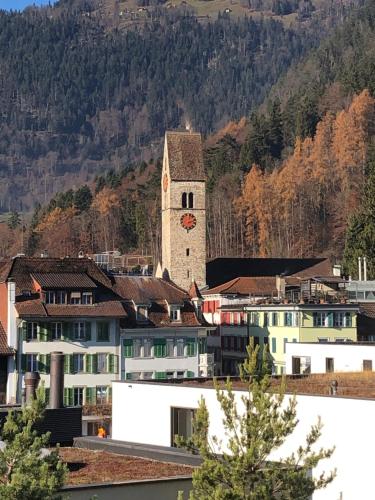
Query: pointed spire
[194, 292]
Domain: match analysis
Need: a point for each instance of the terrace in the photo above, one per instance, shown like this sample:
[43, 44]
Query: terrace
[351, 385]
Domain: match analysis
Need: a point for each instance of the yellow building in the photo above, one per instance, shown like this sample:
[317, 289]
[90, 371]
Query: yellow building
[277, 324]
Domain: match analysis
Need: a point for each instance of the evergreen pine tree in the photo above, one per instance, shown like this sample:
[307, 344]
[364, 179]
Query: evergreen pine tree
[360, 235]
[26, 471]
[244, 472]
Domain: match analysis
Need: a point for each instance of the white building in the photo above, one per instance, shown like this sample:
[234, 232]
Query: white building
[152, 413]
[162, 335]
[326, 357]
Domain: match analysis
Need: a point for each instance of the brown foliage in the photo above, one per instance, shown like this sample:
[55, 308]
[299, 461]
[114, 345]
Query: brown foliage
[314, 191]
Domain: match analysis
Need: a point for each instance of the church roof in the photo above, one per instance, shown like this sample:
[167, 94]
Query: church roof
[185, 155]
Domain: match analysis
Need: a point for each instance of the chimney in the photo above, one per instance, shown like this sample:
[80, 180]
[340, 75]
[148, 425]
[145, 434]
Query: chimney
[56, 394]
[359, 268]
[31, 384]
[364, 269]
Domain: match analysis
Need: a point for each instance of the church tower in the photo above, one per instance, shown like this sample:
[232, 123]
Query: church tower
[183, 202]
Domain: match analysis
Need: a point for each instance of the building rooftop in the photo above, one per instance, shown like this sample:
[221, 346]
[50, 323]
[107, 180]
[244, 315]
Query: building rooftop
[224, 269]
[352, 385]
[185, 156]
[245, 285]
[89, 466]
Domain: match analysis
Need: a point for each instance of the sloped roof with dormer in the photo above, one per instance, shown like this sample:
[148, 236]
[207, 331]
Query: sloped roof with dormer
[185, 155]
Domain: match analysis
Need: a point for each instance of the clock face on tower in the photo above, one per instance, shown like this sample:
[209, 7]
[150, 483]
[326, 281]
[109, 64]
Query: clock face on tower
[165, 182]
[188, 221]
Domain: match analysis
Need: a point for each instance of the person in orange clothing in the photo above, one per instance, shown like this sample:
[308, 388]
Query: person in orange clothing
[102, 433]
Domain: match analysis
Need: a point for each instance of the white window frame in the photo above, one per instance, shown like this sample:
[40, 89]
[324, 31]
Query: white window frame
[141, 317]
[170, 348]
[49, 297]
[33, 330]
[101, 394]
[78, 362]
[175, 313]
[32, 362]
[79, 330]
[180, 348]
[56, 329]
[321, 319]
[85, 296]
[102, 366]
[137, 344]
[146, 348]
[80, 396]
[59, 295]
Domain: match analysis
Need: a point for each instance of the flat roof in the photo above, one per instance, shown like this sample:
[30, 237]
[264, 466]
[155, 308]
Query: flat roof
[350, 384]
[97, 466]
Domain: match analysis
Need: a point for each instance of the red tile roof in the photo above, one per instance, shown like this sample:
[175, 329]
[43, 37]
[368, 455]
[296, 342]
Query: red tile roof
[146, 289]
[106, 309]
[21, 269]
[194, 292]
[63, 280]
[246, 286]
[5, 350]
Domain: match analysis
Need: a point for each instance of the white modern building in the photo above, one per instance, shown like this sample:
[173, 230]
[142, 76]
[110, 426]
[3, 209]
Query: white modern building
[327, 357]
[152, 413]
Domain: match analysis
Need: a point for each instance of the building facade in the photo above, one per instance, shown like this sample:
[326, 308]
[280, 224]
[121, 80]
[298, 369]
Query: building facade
[162, 335]
[329, 357]
[183, 201]
[278, 324]
[65, 305]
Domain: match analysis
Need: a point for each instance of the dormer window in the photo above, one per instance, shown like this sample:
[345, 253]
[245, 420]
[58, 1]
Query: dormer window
[174, 313]
[49, 297]
[75, 297]
[60, 297]
[142, 313]
[87, 298]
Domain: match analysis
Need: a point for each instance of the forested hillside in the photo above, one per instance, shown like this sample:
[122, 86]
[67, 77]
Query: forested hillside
[79, 96]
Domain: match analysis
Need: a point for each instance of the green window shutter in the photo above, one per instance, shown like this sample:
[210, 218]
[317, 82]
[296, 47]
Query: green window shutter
[48, 331]
[24, 330]
[330, 319]
[160, 375]
[160, 348]
[128, 376]
[94, 363]
[191, 347]
[109, 394]
[43, 329]
[190, 374]
[88, 331]
[41, 363]
[88, 363]
[67, 330]
[68, 363]
[115, 363]
[90, 395]
[66, 396]
[202, 346]
[112, 363]
[23, 362]
[47, 362]
[128, 348]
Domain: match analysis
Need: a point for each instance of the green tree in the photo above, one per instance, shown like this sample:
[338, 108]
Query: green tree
[14, 220]
[244, 472]
[83, 198]
[26, 471]
[360, 235]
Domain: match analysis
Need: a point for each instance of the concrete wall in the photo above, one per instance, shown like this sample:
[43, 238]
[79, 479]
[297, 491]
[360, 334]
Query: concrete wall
[142, 413]
[347, 357]
[165, 489]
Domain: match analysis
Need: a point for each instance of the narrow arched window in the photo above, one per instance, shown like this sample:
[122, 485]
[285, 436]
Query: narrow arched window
[184, 200]
[191, 200]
